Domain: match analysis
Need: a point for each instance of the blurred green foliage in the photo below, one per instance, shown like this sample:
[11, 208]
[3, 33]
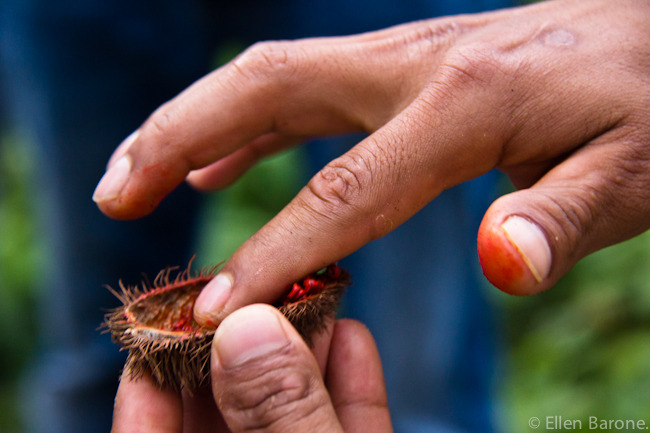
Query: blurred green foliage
[234, 214]
[20, 260]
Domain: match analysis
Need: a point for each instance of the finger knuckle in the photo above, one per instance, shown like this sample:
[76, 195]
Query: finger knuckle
[350, 193]
[342, 183]
[423, 42]
[269, 60]
[627, 180]
[476, 65]
[578, 213]
[273, 398]
[478, 80]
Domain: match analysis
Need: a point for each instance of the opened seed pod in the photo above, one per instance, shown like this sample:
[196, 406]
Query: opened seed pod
[157, 326]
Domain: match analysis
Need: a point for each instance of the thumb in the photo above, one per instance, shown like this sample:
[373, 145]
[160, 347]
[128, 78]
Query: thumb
[513, 249]
[265, 378]
[530, 238]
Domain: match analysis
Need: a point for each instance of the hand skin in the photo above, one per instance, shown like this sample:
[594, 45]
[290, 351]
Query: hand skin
[556, 95]
[265, 379]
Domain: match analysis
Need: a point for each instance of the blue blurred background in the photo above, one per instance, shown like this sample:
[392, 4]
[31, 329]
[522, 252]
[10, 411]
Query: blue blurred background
[576, 351]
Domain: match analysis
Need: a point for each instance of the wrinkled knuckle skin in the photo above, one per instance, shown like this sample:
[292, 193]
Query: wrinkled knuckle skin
[476, 65]
[352, 195]
[625, 190]
[265, 398]
[341, 183]
[272, 61]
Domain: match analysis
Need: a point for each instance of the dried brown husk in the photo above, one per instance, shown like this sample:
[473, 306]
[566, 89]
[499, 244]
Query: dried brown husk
[156, 325]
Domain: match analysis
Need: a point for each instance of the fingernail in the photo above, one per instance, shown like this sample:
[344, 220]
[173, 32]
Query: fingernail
[122, 148]
[113, 181]
[213, 298]
[247, 334]
[530, 241]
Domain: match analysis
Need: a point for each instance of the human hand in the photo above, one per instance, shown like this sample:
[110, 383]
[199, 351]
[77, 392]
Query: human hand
[555, 95]
[264, 378]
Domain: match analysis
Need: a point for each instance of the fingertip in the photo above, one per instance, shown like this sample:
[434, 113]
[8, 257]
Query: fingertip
[514, 254]
[531, 244]
[225, 171]
[134, 186]
[248, 334]
[355, 379]
[113, 181]
[122, 148]
[141, 406]
[354, 347]
[346, 329]
[212, 300]
[355, 368]
[197, 180]
[118, 172]
[260, 367]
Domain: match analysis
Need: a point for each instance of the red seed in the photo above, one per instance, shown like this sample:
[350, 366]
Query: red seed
[333, 272]
[295, 289]
[313, 285]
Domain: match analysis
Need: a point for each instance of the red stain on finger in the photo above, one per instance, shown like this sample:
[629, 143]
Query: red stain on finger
[501, 262]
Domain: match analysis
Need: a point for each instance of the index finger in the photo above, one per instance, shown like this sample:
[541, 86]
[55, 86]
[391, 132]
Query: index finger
[299, 88]
[355, 199]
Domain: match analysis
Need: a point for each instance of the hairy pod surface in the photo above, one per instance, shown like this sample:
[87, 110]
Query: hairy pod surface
[156, 322]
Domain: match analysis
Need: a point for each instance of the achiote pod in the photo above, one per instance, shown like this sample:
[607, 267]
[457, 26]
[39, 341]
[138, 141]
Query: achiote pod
[156, 323]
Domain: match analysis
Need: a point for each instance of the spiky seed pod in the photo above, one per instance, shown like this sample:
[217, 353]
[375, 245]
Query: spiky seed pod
[156, 323]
